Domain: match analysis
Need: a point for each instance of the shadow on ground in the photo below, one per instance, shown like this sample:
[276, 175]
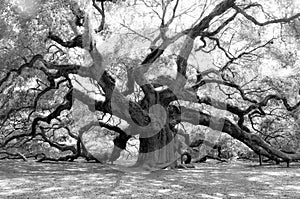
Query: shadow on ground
[91, 180]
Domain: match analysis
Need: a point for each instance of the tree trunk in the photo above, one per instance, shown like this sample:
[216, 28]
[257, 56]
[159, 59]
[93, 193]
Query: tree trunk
[158, 151]
[260, 159]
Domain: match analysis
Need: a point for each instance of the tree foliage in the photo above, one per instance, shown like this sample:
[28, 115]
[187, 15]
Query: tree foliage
[145, 68]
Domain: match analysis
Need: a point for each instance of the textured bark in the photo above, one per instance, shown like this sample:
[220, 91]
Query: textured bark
[157, 151]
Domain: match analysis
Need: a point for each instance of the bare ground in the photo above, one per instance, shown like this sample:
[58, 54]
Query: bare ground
[239, 179]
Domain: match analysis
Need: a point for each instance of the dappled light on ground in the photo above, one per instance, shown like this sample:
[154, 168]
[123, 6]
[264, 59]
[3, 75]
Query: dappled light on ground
[90, 180]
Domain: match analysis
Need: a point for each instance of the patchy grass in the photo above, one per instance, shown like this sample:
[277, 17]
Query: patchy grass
[90, 180]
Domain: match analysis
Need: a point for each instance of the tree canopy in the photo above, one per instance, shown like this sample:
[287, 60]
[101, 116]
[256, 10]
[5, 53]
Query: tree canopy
[148, 68]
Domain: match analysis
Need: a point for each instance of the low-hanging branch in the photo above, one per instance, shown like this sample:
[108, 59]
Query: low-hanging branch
[251, 140]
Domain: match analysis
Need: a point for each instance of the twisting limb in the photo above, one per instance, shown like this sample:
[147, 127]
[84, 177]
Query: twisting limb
[102, 12]
[253, 20]
[75, 42]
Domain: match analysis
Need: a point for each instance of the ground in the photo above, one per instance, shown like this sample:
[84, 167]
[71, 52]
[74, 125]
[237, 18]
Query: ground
[239, 179]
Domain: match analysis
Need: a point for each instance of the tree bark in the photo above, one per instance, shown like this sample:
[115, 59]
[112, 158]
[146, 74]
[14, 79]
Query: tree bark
[158, 151]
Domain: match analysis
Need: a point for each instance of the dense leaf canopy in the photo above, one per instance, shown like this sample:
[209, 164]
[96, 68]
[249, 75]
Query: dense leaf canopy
[148, 69]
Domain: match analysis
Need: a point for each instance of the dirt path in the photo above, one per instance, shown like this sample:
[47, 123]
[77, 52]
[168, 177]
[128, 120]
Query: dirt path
[90, 180]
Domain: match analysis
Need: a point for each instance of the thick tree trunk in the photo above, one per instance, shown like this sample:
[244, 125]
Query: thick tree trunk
[158, 151]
